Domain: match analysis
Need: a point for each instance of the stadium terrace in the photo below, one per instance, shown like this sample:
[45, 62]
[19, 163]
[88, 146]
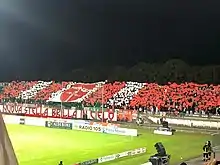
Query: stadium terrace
[185, 97]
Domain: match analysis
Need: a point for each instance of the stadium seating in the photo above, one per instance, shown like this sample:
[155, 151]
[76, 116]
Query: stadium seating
[178, 96]
[49, 91]
[123, 97]
[39, 86]
[75, 92]
[119, 94]
[108, 90]
[14, 89]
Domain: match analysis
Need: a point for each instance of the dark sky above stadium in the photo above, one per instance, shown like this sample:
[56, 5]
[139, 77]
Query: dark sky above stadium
[68, 34]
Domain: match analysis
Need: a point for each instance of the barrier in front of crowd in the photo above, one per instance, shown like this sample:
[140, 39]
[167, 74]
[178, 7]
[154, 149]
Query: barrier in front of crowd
[113, 157]
[187, 122]
[83, 125]
[42, 111]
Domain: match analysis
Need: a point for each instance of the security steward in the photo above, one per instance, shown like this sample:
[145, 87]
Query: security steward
[205, 152]
[209, 150]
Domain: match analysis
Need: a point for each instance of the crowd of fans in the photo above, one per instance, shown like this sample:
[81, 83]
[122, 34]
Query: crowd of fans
[48, 92]
[104, 93]
[14, 89]
[133, 95]
[181, 97]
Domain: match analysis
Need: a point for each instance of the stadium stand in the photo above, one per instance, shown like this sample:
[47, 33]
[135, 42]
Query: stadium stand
[108, 91]
[190, 96]
[123, 97]
[49, 91]
[14, 89]
[39, 86]
[75, 92]
[178, 96]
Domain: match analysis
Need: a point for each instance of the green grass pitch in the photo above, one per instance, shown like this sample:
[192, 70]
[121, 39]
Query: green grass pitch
[46, 146]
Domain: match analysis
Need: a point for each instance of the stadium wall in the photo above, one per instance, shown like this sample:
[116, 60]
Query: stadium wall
[189, 123]
[83, 125]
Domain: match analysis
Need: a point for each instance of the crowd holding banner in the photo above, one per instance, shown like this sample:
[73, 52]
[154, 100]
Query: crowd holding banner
[42, 111]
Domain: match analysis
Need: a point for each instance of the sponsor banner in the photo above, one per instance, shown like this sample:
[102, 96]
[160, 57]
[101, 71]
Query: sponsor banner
[120, 131]
[169, 133]
[60, 125]
[148, 163]
[104, 124]
[10, 119]
[69, 124]
[136, 151]
[106, 158]
[91, 128]
[22, 121]
[88, 162]
[121, 155]
[46, 112]
[105, 129]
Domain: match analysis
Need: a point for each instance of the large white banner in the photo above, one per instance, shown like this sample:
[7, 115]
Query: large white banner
[46, 112]
[122, 154]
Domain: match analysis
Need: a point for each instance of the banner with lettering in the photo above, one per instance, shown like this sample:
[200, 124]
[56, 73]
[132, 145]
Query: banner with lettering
[126, 115]
[89, 162]
[104, 124]
[89, 128]
[45, 112]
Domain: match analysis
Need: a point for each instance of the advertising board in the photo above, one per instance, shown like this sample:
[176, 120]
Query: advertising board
[88, 162]
[60, 125]
[11, 119]
[106, 158]
[69, 124]
[91, 128]
[22, 121]
[121, 155]
[120, 131]
[159, 132]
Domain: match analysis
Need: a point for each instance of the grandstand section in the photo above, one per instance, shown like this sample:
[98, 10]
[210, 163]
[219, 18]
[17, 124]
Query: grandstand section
[50, 91]
[109, 90]
[191, 97]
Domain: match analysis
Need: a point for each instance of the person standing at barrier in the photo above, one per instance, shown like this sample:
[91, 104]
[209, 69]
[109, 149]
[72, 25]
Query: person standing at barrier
[206, 149]
[209, 150]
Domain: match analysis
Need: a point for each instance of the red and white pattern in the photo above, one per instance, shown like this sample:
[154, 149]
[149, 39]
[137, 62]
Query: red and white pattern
[75, 92]
[119, 94]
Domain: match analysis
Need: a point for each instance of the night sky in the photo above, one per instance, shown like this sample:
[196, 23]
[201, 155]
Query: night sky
[67, 34]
